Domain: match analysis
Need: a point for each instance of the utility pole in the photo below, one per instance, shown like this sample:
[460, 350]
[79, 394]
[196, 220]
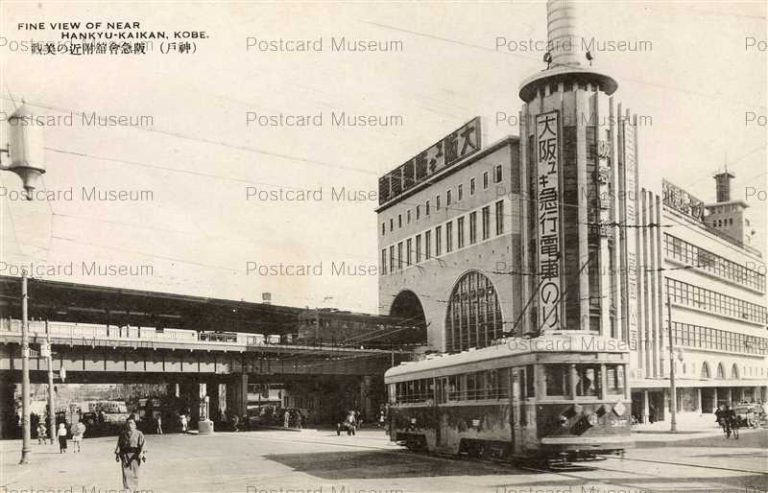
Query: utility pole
[672, 389]
[51, 409]
[25, 421]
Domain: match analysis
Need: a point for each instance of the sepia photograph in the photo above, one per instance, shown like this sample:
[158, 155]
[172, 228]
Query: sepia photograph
[383, 246]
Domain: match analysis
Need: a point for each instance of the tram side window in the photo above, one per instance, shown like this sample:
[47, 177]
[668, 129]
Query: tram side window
[588, 380]
[454, 388]
[503, 383]
[471, 387]
[393, 393]
[556, 379]
[614, 375]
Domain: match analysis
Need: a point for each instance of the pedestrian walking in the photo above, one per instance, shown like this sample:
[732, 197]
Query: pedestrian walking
[130, 452]
[77, 436]
[235, 422]
[42, 434]
[732, 423]
[159, 429]
[720, 418]
[62, 434]
[183, 419]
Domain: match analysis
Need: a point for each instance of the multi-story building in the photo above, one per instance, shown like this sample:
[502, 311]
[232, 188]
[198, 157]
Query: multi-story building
[550, 232]
[524, 235]
[713, 290]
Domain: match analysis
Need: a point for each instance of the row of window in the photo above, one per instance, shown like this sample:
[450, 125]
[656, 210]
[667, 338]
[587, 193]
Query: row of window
[421, 246]
[586, 380]
[705, 299]
[690, 254]
[449, 199]
[473, 386]
[708, 338]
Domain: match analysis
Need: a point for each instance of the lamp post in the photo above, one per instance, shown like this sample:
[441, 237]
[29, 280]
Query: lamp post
[25, 421]
[672, 389]
[25, 148]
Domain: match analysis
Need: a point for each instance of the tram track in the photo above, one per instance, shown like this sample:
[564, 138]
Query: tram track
[500, 466]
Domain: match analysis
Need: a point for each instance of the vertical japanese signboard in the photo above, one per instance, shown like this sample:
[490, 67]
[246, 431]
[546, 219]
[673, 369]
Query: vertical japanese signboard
[630, 200]
[549, 221]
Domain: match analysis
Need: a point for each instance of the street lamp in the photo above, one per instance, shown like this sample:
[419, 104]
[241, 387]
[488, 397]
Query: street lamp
[672, 388]
[25, 148]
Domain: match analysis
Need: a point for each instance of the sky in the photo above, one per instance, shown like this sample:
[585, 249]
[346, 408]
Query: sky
[210, 164]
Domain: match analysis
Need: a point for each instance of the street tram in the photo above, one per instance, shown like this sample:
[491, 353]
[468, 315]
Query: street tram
[556, 399]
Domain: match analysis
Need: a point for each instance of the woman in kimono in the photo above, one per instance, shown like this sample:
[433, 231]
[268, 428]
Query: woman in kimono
[130, 452]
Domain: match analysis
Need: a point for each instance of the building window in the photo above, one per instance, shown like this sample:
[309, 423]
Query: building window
[460, 191]
[399, 220]
[418, 249]
[449, 237]
[485, 180]
[472, 228]
[400, 256]
[391, 224]
[438, 238]
[486, 222]
[705, 299]
[384, 261]
[426, 208]
[408, 252]
[473, 317]
[408, 216]
[497, 174]
[418, 212]
[392, 258]
[428, 245]
[460, 232]
[447, 198]
[500, 217]
[471, 186]
[437, 203]
[383, 229]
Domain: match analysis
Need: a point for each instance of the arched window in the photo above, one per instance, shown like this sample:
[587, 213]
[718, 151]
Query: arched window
[735, 372]
[473, 318]
[705, 371]
[720, 372]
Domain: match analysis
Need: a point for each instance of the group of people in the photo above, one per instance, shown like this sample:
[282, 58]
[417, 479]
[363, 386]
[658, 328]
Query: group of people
[726, 417]
[62, 433]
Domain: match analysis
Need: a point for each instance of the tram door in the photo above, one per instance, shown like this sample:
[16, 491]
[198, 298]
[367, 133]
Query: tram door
[515, 408]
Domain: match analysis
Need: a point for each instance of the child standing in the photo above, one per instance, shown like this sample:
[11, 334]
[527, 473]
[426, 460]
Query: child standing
[62, 434]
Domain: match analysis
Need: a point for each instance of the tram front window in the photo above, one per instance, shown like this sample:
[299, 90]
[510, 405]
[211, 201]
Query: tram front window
[556, 377]
[614, 375]
[588, 380]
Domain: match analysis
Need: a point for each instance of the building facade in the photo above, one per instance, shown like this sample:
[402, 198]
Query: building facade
[713, 292]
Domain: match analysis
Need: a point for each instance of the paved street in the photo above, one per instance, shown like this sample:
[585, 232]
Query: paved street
[319, 461]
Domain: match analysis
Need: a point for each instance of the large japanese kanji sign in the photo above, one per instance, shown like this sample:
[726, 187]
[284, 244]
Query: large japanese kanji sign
[549, 224]
[445, 153]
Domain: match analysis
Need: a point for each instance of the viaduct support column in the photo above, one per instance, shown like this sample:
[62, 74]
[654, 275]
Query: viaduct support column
[7, 409]
[237, 397]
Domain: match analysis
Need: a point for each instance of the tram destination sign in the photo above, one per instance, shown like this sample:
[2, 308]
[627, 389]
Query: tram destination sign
[549, 248]
[462, 142]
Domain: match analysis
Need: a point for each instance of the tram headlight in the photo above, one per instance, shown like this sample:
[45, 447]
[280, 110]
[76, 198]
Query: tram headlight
[619, 409]
[592, 420]
[413, 421]
[562, 420]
